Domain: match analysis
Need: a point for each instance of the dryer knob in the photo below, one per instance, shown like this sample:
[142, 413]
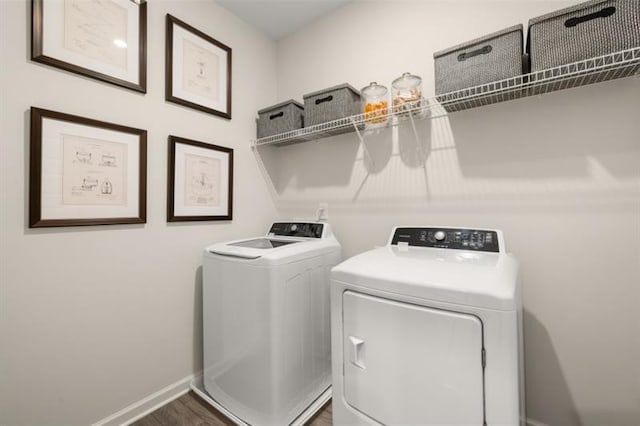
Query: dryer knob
[294, 227]
[440, 236]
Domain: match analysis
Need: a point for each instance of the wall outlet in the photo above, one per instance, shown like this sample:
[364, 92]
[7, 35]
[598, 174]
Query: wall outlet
[323, 211]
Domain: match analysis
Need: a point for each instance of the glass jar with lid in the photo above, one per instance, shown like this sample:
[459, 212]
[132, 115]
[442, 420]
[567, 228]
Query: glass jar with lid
[374, 104]
[406, 93]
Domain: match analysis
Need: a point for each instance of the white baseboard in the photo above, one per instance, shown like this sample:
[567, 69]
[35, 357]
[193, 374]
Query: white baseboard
[531, 422]
[146, 405]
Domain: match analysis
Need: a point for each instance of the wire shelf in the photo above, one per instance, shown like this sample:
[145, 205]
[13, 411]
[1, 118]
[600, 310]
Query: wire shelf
[590, 71]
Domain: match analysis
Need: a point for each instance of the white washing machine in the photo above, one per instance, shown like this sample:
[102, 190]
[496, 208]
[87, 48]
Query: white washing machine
[427, 330]
[266, 324]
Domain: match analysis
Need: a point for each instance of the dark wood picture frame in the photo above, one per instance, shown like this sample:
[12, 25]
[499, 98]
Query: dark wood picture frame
[38, 54]
[170, 94]
[36, 207]
[172, 216]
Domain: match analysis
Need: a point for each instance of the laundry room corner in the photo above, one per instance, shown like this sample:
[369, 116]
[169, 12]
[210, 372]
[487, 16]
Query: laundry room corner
[557, 173]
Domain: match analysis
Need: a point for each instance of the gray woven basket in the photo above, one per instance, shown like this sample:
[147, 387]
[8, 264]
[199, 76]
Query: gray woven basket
[490, 58]
[586, 30]
[331, 104]
[280, 118]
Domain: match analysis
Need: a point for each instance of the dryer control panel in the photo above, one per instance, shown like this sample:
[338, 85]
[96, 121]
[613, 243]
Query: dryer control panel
[297, 229]
[448, 238]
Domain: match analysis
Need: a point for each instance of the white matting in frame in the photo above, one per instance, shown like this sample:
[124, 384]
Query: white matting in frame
[85, 172]
[201, 181]
[198, 70]
[102, 39]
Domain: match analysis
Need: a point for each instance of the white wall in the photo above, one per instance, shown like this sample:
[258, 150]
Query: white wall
[558, 173]
[93, 319]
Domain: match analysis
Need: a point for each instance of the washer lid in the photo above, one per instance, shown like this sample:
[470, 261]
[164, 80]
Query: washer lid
[478, 279]
[263, 243]
[265, 251]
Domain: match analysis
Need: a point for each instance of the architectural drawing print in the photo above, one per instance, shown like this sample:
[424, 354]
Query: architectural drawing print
[83, 157]
[96, 29]
[84, 183]
[107, 187]
[88, 183]
[200, 71]
[202, 181]
[108, 160]
[202, 185]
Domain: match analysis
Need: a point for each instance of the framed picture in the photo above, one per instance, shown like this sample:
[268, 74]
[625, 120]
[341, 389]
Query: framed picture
[198, 69]
[101, 39]
[85, 172]
[200, 181]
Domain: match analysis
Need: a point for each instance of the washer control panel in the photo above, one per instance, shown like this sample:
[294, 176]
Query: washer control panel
[297, 229]
[448, 238]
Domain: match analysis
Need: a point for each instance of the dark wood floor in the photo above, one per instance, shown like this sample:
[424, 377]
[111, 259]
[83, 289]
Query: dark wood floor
[191, 410]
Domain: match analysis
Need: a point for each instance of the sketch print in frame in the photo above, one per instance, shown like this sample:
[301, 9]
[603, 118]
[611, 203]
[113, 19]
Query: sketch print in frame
[85, 171]
[101, 39]
[198, 69]
[199, 181]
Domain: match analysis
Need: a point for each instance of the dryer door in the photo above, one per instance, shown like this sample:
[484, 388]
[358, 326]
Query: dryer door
[408, 364]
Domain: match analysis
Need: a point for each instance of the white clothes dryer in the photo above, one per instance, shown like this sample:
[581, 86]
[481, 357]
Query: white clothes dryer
[427, 330]
[266, 324]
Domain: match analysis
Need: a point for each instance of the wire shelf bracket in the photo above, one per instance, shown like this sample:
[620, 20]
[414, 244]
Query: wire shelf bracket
[363, 144]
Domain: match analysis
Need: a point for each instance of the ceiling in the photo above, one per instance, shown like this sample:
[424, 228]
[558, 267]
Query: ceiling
[280, 18]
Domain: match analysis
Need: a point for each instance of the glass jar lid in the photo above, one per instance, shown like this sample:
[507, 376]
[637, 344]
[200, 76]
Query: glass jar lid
[374, 90]
[406, 81]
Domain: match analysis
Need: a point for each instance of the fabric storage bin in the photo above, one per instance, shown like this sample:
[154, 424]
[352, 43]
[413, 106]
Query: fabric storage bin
[583, 31]
[280, 118]
[331, 104]
[486, 59]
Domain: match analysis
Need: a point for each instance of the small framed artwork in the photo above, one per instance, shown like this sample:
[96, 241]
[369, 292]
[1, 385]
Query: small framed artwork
[85, 172]
[198, 69]
[200, 181]
[101, 39]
